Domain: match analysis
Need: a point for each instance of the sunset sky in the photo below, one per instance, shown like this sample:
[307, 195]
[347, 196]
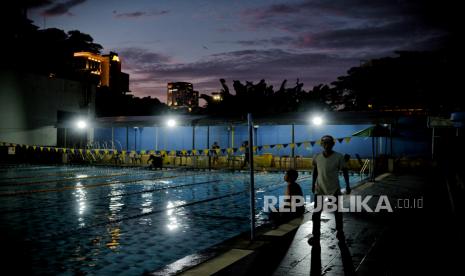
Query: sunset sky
[203, 41]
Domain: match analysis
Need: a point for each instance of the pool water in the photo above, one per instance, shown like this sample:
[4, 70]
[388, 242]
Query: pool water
[78, 219]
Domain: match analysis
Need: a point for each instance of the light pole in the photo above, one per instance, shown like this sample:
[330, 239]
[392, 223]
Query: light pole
[316, 121]
[65, 136]
[208, 147]
[135, 138]
[252, 183]
[81, 125]
[293, 146]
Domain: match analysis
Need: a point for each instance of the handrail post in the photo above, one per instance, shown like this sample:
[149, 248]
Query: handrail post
[252, 184]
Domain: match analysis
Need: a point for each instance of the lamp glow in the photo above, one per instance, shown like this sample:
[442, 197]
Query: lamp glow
[317, 120]
[81, 124]
[171, 123]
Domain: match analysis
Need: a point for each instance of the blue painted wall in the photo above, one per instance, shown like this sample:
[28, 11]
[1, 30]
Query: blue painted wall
[180, 138]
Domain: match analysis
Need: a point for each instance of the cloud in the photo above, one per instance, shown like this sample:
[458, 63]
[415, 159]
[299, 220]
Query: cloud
[313, 40]
[134, 58]
[351, 41]
[393, 35]
[138, 14]
[62, 8]
[349, 23]
[150, 72]
[273, 41]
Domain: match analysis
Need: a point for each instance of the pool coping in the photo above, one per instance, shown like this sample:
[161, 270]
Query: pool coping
[229, 252]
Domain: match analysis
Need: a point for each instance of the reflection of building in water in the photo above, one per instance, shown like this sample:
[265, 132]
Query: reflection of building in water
[114, 236]
[115, 207]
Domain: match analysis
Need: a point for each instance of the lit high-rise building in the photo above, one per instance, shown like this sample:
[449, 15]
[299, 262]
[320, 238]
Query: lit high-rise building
[106, 69]
[182, 95]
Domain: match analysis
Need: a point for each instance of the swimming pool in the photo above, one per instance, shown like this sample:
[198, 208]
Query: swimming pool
[103, 220]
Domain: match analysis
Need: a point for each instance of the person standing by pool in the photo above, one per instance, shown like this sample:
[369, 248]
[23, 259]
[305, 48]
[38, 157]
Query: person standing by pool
[214, 152]
[245, 145]
[326, 167]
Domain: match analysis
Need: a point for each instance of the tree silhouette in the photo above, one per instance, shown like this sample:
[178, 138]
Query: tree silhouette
[412, 80]
[78, 41]
[261, 99]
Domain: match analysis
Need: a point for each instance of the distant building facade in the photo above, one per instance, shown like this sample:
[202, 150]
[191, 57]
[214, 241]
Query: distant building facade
[182, 95]
[104, 70]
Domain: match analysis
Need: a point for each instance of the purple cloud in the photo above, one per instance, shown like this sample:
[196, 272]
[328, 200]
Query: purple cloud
[138, 14]
[62, 8]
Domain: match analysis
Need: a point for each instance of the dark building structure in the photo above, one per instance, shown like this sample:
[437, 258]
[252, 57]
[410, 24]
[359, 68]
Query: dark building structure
[182, 95]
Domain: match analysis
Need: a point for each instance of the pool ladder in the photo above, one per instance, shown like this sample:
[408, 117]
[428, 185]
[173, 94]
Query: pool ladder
[366, 165]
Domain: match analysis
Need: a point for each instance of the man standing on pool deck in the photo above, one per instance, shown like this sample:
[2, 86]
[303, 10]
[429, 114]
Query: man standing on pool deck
[326, 167]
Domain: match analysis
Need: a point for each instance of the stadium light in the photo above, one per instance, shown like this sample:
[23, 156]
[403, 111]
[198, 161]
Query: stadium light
[81, 124]
[171, 123]
[317, 120]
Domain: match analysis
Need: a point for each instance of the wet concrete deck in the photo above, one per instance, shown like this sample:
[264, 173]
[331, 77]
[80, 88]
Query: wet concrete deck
[414, 241]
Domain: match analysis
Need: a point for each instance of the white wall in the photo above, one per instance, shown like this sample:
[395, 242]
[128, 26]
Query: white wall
[29, 104]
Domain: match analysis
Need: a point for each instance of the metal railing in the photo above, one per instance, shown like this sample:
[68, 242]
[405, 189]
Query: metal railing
[366, 165]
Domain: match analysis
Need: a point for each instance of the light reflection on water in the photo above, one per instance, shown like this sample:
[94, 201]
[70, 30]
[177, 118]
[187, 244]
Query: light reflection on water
[81, 195]
[162, 231]
[173, 221]
[147, 199]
